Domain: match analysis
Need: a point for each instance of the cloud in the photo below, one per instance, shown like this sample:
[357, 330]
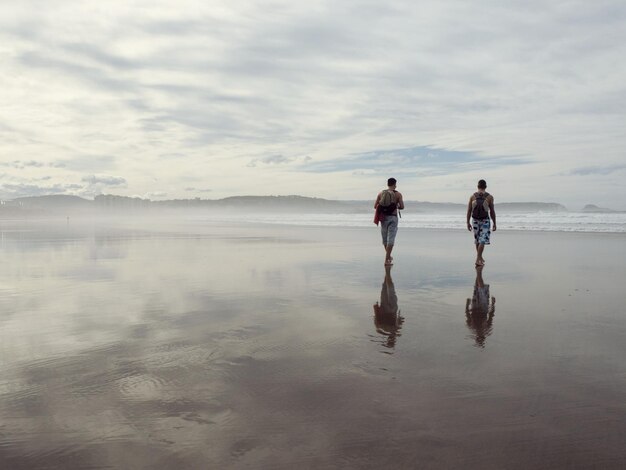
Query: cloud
[15, 190]
[20, 165]
[104, 180]
[92, 76]
[155, 195]
[87, 162]
[597, 170]
[196, 90]
[279, 160]
[271, 160]
[364, 172]
[415, 160]
[197, 190]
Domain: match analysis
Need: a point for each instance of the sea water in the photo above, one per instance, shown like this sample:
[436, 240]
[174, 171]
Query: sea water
[535, 221]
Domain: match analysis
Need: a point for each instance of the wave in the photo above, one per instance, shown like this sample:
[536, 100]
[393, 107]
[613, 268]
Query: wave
[535, 221]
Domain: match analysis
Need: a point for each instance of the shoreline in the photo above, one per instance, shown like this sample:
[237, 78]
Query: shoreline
[149, 223]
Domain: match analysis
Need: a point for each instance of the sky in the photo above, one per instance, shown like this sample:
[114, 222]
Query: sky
[210, 99]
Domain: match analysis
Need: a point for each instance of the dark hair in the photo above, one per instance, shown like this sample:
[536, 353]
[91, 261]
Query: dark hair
[391, 181]
[482, 184]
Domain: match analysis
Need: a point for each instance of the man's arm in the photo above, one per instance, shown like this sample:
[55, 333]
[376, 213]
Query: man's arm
[492, 213]
[400, 201]
[377, 201]
[469, 213]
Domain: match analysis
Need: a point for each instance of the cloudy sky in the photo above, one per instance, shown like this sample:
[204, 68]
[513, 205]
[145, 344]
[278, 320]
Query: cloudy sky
[181, 99]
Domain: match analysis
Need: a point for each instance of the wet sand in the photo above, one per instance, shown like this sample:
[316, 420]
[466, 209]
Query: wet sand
[282, 347]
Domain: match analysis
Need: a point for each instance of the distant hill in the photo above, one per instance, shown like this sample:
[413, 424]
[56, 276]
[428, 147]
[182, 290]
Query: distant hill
[40, 206]
[293, 203]
[530, 207]
[424, 206]
[299, 203]
[236, 203]
[56, 201]
[594, 208]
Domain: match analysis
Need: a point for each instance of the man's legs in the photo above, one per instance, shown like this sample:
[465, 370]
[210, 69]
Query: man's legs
[386, 247]
[384, 230]
[389, 227]
[388, 258]
[479, 254]
[482, 232]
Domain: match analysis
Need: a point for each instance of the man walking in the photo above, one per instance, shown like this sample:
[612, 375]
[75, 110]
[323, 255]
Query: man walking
[387, 204]
[479, 208]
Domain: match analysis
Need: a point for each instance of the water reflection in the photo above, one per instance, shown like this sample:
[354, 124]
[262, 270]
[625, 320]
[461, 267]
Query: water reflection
[480, 309]
[387, 316]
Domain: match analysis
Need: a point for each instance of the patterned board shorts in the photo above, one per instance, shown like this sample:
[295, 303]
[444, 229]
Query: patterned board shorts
[388, 229]
[482, 231]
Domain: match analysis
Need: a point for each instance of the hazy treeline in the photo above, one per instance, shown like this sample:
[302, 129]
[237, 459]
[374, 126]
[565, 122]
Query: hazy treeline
[108, 203]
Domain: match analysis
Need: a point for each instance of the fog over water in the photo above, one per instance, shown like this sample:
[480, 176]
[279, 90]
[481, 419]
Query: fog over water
[298, 210]
[162, 343]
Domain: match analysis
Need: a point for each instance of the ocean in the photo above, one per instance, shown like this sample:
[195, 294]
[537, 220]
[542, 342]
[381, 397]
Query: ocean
[533, 221]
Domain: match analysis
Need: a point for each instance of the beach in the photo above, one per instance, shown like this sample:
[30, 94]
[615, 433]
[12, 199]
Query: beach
[189, 344]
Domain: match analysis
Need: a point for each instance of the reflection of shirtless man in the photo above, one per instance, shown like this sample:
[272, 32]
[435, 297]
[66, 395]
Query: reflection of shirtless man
[480, 309]
[479, 208]
[387, 316]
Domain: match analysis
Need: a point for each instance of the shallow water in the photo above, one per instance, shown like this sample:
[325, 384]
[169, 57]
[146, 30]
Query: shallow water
[584, 222]
[194, 346]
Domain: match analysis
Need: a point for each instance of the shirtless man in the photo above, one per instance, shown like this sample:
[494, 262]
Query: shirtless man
[388, 215]
[479, 208]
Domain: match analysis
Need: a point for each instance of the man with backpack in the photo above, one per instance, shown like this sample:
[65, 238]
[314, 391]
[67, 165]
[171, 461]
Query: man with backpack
[480, 208]
[387, 204]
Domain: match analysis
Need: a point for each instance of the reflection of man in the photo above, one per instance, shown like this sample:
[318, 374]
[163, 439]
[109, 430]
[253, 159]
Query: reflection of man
[479, 310]
[387, 315]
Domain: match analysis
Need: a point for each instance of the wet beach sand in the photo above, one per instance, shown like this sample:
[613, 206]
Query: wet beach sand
[193, 346]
